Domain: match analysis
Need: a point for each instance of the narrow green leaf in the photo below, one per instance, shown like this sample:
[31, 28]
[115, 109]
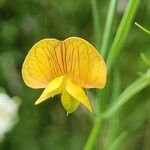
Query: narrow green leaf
[108, 26]
[122, 32]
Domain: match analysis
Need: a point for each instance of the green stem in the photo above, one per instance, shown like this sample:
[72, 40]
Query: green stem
[114, 122]
[116, 84]
[101, 100]
[130, 91]
[122, 32]
[96, 23]
[108, 26]
[94, 133]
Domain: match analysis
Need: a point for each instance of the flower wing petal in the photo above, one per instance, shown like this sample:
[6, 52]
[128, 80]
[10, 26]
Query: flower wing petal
[55, 87]
[69, 103]
[78, 93]
[85, 65]
[41, 65]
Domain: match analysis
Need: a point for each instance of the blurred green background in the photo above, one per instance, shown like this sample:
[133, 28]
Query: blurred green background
[46, 126]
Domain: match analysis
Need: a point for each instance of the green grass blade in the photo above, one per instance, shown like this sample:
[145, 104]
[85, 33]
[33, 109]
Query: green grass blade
[122, 32]
[130, 91]
[142, 28]
[96, 23]
[108, 26]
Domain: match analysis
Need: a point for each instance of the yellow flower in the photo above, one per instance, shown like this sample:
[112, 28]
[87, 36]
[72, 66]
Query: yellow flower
[64, 67]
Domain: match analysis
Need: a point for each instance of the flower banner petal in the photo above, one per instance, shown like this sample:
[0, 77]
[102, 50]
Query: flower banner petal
[41, 65]
[78, 93]
[55, 87]
[85, 66]
[69, 103]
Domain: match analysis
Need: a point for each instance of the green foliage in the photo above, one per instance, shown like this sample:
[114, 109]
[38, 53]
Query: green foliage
[122, 32]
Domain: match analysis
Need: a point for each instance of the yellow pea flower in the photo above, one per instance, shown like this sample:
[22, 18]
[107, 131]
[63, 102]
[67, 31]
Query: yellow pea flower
[64, 67]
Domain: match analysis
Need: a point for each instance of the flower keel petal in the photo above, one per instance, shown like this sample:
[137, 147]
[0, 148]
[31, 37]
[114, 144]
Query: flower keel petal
[78, 93]
[69, 103]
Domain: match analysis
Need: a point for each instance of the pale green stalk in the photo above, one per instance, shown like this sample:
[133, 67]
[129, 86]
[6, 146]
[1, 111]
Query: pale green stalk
[113, 122]
[101, 100]
[116, 85]
[122, 32]
[94, 134]
[108, 26]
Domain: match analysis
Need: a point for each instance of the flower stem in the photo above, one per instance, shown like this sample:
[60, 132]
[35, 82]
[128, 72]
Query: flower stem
[94, 133]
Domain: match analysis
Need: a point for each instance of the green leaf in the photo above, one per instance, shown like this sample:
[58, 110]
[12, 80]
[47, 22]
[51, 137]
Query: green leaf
[122, 32]
[108, 26]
